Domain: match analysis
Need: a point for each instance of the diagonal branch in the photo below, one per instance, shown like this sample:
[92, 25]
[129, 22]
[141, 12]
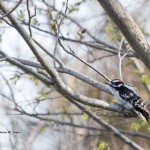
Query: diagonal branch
[13, 9]
[64, 69]
[107, 48]
[72, 53]
[129, 29]
[60, 86]
[65, 90]
[108, 126]
[26, 68]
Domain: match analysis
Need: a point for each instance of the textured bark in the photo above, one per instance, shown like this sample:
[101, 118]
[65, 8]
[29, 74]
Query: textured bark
[129, 29]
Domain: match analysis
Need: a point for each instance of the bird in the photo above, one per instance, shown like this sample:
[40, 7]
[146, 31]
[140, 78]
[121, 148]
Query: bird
[129, 98]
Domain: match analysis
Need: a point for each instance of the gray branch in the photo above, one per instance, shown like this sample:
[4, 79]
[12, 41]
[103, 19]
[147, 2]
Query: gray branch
[108, 126]
[60, 86]
[26, 68]
[129, 29]
[65, 90]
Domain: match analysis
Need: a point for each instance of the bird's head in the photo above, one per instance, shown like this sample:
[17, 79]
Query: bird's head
[116, 83]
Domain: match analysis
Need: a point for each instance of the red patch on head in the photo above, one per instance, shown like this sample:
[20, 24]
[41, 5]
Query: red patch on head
[120, 81]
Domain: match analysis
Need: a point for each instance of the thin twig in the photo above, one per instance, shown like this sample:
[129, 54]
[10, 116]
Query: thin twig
[108, 126]
[26, 68]
[7, 22]
[61, 64]
[66, 70]
[30, 17]
[100, 58]
[105, 48]
[134, 134]
[59, 84]
[72, 53]
[5, 15]
[57, 33]
[10, 88]
[120, 59]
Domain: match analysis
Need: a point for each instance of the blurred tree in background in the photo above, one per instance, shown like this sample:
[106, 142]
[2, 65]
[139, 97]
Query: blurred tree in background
[55, 58]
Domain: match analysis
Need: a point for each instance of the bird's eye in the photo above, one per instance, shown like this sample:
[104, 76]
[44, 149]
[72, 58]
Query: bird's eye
[117, 82]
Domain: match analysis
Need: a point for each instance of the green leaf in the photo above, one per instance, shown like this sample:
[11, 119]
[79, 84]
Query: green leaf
[146, 79]
[45, 94]
[73, 9]
[54, 26]
[35, 21]
[44, 130]
[148, 129]
[15, 78]
[115, 34]
[88, 107]
[50, 117]
[36, 81]
[85, 116]
[52, 87]
[138, 71]
[37, 99]
[22, 16]
[109, 28]
[143, 123]
[103, 146]
[135, 126]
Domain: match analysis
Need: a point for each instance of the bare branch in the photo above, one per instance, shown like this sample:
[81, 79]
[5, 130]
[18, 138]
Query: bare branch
[107, 48]
[69, 71]
[30, 17]
[61, 64]
[71, 53]
[120, 59]
[109, 127]
[37, 115]
[57, 32]
[10, 88]
[13, 9]
[26, 68]
[129, 29]
[60, 86]
[50, 75]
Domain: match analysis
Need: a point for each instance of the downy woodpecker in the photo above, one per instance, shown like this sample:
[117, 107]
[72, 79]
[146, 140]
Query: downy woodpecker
[129, 98]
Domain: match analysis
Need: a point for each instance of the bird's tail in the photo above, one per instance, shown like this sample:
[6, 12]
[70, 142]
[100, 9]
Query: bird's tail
[142, 109]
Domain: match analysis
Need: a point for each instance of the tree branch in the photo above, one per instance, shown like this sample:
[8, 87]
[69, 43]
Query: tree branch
[108, 126]
[129, 29]
[64, 69]
[106, 48]
[60, 86]
[26, 68]
[13, 9]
